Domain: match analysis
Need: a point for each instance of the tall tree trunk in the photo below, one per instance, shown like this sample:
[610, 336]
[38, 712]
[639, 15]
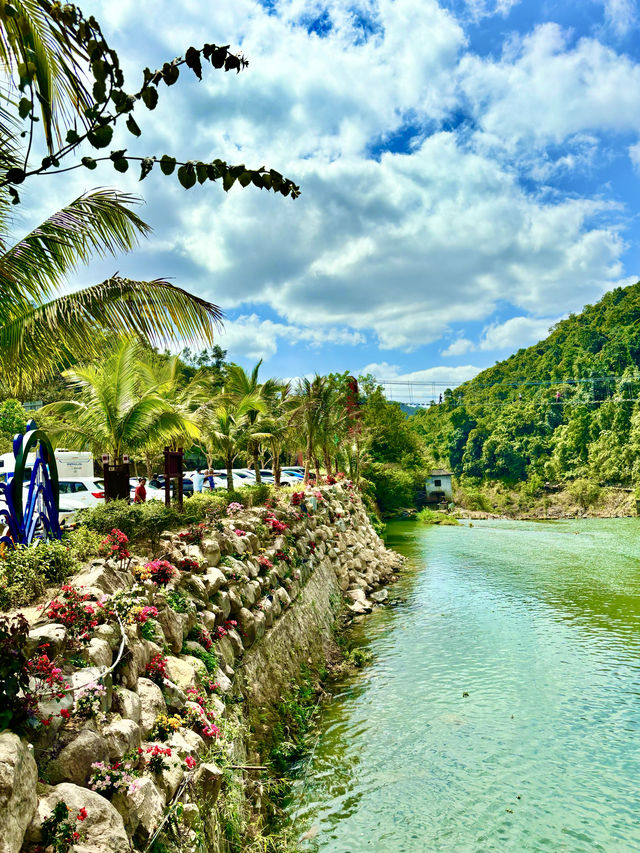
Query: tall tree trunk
[327, 463]
[255, 452]
[307, 462]
[230, 473]
[276, 466]
[316, 463]
[148, 458]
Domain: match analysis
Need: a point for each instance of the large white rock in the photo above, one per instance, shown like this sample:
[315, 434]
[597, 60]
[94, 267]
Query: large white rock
[142, 808]
[180, 672]
[18, 800]
[127, 703]
[121, 736]
[103, 829]
[73, 764]
[151, 704]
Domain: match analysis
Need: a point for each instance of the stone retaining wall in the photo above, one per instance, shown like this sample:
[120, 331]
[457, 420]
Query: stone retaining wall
[284, 611]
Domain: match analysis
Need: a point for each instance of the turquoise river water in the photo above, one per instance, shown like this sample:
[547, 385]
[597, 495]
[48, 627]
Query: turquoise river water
[539, 623]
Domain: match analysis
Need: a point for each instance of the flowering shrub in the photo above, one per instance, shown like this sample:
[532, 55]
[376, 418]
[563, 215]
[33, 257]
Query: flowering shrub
[234, 508]
[165, 726]
[240, 532]
[178, 601]
[223, 630]
[59, 831]
[312, 546]
[330, 480]
[72, 611]
[190, 762]
[211, 730]
[46, 681]
[156, 669]
[318, 495]
[201, 635]
[194, 535]
[188, 565]
[340, 475]
[125, 602]
[283, 556]
[108, 779]
[159, 571]
[275, 525]
[297, 498]
[156, 758]
[142, 614]
[88, 702]
[116, 546]
[265, 564]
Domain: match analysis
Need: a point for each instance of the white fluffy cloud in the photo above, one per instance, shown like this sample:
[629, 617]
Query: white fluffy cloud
[401, 248]
[516, 333]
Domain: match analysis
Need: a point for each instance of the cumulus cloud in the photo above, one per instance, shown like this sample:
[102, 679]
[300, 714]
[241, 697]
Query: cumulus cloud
[620, 15]
[396, 247]
[516, 333]
[458, 347]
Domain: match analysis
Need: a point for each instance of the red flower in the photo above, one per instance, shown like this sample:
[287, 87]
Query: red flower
[65, 713]
[82, 814]
[190, 762]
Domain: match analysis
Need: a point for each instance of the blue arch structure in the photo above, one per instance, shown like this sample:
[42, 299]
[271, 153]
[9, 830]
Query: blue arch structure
[37, 516]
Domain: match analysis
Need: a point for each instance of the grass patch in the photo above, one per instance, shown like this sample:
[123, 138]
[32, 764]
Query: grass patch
[432, 516]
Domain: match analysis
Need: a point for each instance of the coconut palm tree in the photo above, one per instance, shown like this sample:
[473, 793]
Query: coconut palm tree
[38, 333]
[118, 411]
[240, 385]
[306, 416]
[225, 424]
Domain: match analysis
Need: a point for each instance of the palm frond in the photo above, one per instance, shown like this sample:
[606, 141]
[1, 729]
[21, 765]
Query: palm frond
[96, 223]
[39, 339]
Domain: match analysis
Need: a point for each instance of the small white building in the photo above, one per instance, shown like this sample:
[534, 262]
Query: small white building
[438, 486]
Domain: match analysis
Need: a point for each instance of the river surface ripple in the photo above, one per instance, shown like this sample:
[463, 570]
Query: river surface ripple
[539, 623]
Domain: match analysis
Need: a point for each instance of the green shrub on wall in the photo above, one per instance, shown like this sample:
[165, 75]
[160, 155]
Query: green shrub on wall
[137, 521]
[26, 571]
[395, 487]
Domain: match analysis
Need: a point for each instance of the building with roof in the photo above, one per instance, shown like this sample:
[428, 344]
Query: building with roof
[438, 486]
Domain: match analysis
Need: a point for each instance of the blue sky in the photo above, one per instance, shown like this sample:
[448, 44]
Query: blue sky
[470, 173]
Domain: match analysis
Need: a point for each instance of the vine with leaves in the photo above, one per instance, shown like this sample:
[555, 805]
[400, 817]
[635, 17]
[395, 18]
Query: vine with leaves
[104, 103]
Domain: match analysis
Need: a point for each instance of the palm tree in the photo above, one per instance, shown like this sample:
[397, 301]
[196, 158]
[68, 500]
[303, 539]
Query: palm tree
[276, 426]
[225, 427]
[37, 335]
[240, 385]
[307, 417]
[118, 411]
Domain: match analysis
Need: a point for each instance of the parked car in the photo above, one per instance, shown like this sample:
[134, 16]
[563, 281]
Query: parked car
[80, 492]
[296, 471]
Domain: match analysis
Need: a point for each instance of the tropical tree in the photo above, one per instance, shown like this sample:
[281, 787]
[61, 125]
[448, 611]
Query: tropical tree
[224, 426]
[276, 427]
[118, 410]
[38, 333]
[241, 386]
[306, 416]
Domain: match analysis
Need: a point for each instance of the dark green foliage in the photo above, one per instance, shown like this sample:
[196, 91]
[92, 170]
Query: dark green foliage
[14, 679]
[137, 521]
[209, 659]
[25, 572]
[83, 543]
[13, 419]
[295, 719]
[560, 410]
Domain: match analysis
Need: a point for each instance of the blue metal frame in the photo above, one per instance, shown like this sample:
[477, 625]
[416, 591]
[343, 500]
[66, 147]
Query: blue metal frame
[37, 517]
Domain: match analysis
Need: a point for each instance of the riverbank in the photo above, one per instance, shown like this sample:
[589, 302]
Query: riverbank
[175, 679]
[496, 500]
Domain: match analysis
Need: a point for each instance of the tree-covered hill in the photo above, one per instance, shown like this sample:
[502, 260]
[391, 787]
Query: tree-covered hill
[564, 408]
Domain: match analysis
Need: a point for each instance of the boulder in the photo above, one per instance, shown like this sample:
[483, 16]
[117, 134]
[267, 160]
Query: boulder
[222, 600]
[224, 683]
[283, 597]
[234, 600]
[105, 578]
[207, 781]
[187, 742]
[380, 596]
[53, 634]
[103, 828]
[172, 627]
[236, 642]
[142, 808]
[247, 625]
[174, 696]
[151, 704]
[127, 703]
[357, 594]
[260, 623]
[73, 763]
[180, 672]
[18, 800]
[99, 652]
[213, 579]
[211, 550]
[109, 632]
[121, 736]
[197, 665]
[225, 650]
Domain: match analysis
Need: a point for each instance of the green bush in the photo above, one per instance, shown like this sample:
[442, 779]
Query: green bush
[137, 521]
[26, 571]
[430, 516]
[395, 487]
[83, 543]
[584, 493]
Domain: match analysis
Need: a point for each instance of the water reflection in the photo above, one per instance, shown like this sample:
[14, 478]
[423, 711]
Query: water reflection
[538, 624]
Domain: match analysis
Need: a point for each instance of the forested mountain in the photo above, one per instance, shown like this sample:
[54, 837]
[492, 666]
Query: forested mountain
[564, 408]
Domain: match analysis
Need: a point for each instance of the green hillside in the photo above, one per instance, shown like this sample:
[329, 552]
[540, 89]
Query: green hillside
[562, 409]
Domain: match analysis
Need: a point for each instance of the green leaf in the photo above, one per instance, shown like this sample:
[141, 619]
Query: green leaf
[150, 97]
[192, 58]
[121, 165]
[170, 73]
[132, 126]
[228, 181]
[167, 164]
[15, 176]
[187, 175]
[101, 136]
[89, 162]
[99, 92]
[245, 179]
[24, 107]
[201, 172]
[15, 197]
[145, 167]
[72, 136]
[118, 155]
